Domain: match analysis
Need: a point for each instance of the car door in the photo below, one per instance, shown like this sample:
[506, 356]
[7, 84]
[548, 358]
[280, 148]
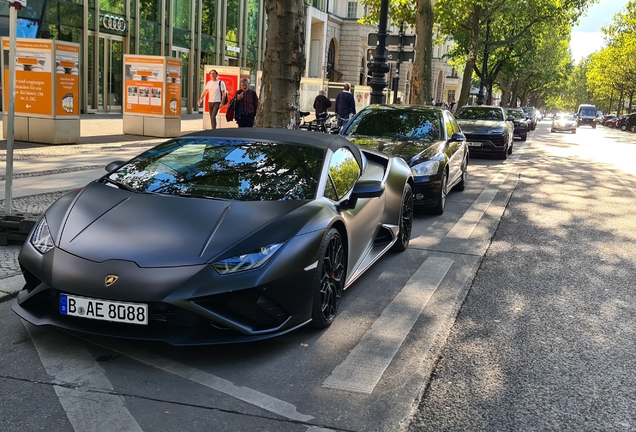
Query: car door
[455, 150]
[364, 219]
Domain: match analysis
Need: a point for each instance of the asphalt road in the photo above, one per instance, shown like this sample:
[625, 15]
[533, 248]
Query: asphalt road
[512, 311]
[545, 339]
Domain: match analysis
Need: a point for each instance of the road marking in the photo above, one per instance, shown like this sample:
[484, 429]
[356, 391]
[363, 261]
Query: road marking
[467, 223]
[90, 404]
[501, 177]
[364, 366]
[253, 397]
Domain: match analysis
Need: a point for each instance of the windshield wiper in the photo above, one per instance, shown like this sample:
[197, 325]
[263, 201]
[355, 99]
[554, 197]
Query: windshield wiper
[191, 195]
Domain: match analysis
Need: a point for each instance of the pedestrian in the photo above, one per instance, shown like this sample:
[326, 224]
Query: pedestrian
[246, 104]
[453, 106]
[398, 101]
[345, 104]
[321, 104]
[216, 91]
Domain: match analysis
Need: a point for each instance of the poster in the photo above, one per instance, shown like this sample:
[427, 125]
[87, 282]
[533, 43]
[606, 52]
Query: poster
[33, 76]
[144, 78]
[173, 88]
[66, 79]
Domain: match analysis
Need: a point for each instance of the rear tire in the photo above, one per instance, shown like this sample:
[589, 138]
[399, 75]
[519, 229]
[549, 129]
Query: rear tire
[524, 136]
[330, 279]
[406, 220]
[441, 196]
[462, 183]
[573, 131]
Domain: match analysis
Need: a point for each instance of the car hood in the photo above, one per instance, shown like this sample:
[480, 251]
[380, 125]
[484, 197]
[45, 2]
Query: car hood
[480, 126]
[104, 223]
[412, 151]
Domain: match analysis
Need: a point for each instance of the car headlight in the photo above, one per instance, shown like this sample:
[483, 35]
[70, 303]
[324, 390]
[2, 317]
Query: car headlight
[41, 238]
[496, 131]
[247, 261]
[427, 168]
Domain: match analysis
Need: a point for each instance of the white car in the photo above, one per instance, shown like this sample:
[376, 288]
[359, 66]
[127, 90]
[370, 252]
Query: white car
[564, 122]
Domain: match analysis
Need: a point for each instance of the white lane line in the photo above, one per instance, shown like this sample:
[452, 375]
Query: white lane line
[364, 366]
[467, 223]
[253, 397]
[89, 405]
[501, 177]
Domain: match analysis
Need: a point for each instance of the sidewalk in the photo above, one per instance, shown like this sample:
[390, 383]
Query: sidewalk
[63, 164]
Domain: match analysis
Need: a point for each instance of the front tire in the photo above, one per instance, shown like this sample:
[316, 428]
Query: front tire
[330, 279]
[406, 220]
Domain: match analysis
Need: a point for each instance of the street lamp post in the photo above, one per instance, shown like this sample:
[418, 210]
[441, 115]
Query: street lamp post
[379, 67]
[484, 69]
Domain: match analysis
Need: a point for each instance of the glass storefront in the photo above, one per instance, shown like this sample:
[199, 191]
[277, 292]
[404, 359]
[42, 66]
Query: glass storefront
[215, 32]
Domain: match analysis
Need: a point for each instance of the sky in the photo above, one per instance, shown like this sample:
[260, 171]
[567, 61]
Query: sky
[587, 36]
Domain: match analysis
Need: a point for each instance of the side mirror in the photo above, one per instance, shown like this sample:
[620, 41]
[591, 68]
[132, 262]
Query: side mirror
[114, 165]
[457, 136]
[364, 189]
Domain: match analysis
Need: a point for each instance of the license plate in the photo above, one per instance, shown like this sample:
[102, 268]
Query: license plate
[474, 144]
[104, 310]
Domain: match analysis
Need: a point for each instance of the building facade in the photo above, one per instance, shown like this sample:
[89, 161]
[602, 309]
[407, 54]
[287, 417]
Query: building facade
[199, 32]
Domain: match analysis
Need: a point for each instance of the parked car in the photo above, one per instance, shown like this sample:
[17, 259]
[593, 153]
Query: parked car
[531, 115]
[487, 128]
[427, 138]
[615, 122]
[629, 124]
[218, 236]
[604, 119]
[520, 122]
[564, 123]
[586, 115]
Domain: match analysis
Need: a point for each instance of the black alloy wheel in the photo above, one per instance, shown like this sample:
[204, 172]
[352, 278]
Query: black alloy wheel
[330, 279]
[406, 220]
[441, 196]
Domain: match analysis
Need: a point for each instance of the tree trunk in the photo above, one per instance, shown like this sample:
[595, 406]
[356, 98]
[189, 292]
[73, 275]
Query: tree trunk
[283, 66]
[422, 75]
[471, 57]
[506, 91]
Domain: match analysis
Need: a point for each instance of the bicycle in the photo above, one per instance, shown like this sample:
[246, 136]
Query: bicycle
[322, 124]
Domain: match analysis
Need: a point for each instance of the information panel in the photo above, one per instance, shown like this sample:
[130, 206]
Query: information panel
[33, 76]
[153, 86]
[66, 79]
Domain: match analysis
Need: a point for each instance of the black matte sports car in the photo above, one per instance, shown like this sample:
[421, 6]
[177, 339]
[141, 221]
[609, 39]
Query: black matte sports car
[219, 236]
[428, 138]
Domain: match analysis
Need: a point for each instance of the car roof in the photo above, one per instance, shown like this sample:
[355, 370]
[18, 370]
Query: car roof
[281, 136]
[401, 107]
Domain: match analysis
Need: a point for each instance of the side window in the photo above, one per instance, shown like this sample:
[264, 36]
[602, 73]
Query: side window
[344, 171]
[451, 126]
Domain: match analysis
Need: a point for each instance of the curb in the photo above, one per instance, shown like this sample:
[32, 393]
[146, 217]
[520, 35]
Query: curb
[10, 286]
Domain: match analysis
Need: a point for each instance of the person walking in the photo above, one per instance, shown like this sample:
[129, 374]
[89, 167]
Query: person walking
[246, 104]
[453, 107]
[215, 89]
[345, 105]
[321, 104]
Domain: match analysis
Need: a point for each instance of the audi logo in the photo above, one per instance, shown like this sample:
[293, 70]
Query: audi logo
[111, 22]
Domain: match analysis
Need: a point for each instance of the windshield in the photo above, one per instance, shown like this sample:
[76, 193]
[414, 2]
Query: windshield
[223, 169]
[479, 113]
[415, 125]
[516, 113]
[588, 111]
[564, 117]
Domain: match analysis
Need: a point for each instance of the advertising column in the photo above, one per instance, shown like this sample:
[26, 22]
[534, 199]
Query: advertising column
[152, 96]
[46, 90]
